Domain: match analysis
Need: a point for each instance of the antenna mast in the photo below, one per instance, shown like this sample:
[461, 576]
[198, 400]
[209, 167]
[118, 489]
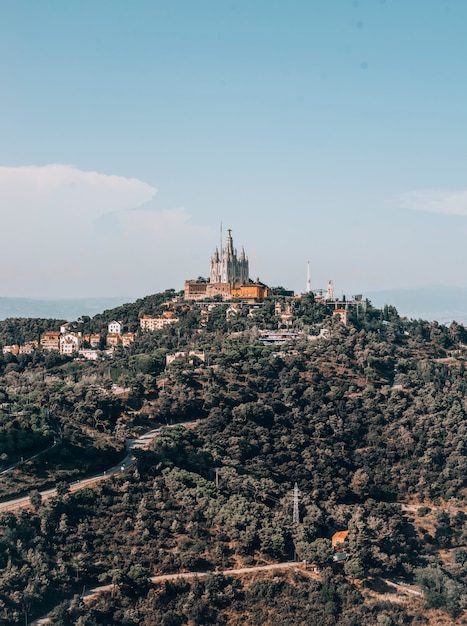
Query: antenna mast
[220, 249]
[308, 278]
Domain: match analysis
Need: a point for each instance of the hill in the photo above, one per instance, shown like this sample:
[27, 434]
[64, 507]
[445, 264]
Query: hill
[366, 418]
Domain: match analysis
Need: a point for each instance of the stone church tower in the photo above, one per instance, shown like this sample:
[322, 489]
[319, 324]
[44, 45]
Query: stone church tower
[226, 267]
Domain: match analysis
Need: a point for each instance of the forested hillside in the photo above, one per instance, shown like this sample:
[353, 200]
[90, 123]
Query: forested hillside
[367, 419]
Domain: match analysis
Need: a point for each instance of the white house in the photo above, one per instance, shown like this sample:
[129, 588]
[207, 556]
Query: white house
[70, 343]
[115, 328]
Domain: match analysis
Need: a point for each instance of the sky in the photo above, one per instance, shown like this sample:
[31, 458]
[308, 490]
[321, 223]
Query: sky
[328, 131]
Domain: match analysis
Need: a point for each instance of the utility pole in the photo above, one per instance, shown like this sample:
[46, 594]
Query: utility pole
[296, 514]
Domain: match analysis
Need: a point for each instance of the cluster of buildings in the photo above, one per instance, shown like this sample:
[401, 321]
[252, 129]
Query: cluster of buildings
[27, 348]
[229, 280]
[67, 342]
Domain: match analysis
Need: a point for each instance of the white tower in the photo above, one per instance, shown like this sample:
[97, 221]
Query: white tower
[330, 291]
[308, 278]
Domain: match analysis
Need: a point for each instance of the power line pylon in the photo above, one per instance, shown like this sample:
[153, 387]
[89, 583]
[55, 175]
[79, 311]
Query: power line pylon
[295, 514]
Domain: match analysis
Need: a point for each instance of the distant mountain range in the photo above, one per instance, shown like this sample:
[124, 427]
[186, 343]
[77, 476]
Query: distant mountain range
[65, 309]
[443, 304]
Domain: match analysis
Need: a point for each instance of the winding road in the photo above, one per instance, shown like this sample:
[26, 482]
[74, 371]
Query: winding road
[140, 443]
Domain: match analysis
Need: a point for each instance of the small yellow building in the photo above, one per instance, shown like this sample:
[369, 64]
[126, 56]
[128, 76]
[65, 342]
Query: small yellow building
[251, 292]
[342, 314]
[50, 340]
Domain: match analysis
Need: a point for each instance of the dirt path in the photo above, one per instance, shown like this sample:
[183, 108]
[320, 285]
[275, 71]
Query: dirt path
[93, 593]
[446, 506]
[403, 587]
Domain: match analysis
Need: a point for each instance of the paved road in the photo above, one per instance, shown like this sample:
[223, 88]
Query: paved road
[131, 444]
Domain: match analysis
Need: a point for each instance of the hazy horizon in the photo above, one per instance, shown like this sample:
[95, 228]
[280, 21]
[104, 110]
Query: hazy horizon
[441, 303]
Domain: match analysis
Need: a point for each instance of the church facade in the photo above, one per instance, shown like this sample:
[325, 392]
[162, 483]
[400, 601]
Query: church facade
[227, 267]
[228, 278]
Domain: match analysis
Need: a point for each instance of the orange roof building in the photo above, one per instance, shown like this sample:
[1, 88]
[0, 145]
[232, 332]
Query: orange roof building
[251, 292]
[338, 538]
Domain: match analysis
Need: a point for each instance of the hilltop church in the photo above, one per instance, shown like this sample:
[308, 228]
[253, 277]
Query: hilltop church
[229, 278]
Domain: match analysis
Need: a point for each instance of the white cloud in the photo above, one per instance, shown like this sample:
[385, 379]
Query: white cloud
[68, 232]
[435, 201]
[63, 191]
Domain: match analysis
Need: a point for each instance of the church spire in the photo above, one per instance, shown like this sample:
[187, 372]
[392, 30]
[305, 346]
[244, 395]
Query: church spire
[226, 267]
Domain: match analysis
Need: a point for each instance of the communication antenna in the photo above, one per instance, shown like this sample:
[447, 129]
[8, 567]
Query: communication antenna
[308, 278]
[295, 514]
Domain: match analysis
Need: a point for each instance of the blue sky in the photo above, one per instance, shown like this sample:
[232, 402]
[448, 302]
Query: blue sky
[330, 131]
